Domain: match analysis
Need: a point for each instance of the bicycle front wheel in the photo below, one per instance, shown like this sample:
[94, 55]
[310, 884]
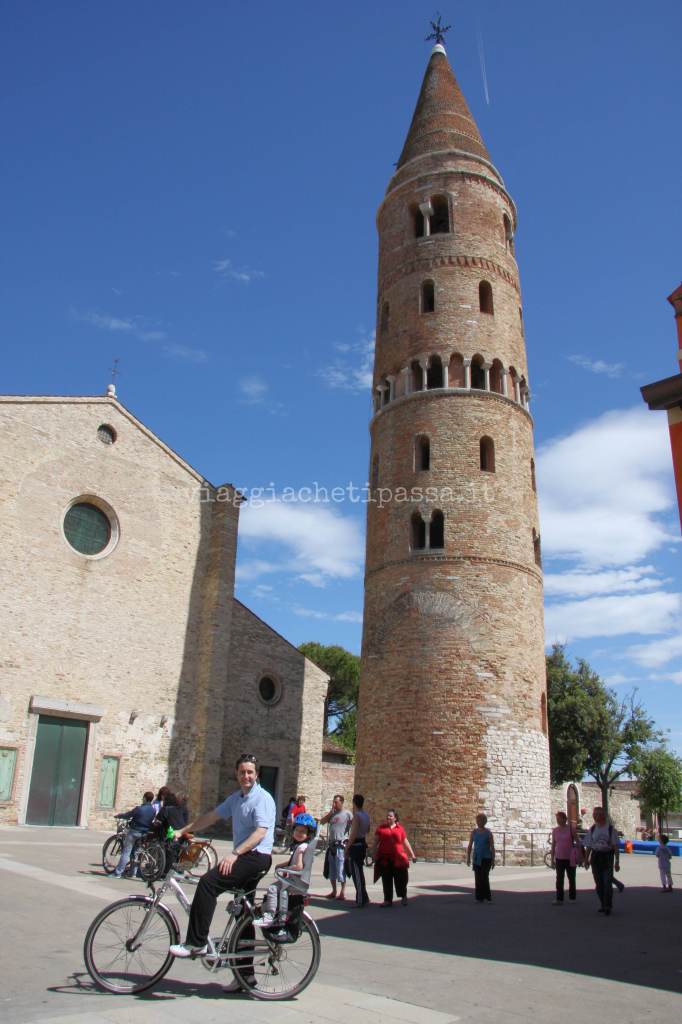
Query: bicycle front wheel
[202, 864]
[111, 853]
[275, 971]
[116, 959]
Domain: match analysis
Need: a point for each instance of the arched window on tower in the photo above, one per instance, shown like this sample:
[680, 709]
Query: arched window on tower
[508, 234]
[416, 376]
[537, 551]
[419, 222]
[477, 373]
[440, 218]
[456, 371]
[434, 374]
[422, 452]
[417, 532]
[385, 319]
[487, 454]
[485, 297]
[437, 530]
[496, 371]
[428, 302]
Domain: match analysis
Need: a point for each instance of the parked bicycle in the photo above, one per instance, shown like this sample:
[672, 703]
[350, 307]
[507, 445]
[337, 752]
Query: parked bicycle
[148, 858]
[126, 947]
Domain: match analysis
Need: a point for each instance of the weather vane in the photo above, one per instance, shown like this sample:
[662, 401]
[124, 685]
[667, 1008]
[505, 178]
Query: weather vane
[439, 31]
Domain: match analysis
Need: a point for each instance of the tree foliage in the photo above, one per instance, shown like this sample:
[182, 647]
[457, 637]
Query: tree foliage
[343, 669]
[591, 731]
[660, 781]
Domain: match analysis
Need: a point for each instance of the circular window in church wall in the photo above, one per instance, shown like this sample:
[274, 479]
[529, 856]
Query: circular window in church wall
[106, 433]
[269, 689]
[90, 527]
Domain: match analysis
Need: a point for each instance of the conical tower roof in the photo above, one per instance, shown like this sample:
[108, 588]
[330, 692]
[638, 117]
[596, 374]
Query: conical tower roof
[442, 119]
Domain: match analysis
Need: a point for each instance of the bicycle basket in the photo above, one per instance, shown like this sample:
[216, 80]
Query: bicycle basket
[189, 855]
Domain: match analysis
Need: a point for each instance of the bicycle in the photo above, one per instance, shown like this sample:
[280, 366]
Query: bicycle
[147, 858]
[126, 947]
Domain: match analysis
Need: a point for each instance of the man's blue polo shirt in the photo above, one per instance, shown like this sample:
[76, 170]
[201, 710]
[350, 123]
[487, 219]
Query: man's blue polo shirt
[255, 810]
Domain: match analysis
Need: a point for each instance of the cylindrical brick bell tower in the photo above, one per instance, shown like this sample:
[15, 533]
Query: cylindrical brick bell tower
[453, 708]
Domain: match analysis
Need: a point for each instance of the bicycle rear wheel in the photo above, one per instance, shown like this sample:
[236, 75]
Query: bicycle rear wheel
[117, 964]
[111, 853]
[152, 862]
[275, 971]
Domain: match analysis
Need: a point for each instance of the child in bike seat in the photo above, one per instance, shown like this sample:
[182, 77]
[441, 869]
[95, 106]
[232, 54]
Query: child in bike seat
[276, 900]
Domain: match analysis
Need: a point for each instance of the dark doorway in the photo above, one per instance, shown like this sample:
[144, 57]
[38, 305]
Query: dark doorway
[572, 809]
[268, 780]
[57, 776]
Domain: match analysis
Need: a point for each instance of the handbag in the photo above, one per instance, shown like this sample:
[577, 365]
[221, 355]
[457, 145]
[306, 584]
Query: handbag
[577, 853]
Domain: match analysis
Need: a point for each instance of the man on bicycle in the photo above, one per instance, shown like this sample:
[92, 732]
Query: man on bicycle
[140, 818]
[253, 814]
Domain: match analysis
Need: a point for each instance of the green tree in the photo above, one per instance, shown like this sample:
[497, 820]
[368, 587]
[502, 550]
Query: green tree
[591, 731]
[343, 669]
[660, 781]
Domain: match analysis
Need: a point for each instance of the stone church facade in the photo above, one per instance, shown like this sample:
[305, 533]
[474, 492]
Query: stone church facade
[127, 662]
[453, 708]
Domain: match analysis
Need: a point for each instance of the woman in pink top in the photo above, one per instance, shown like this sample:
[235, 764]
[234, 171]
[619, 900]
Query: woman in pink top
[566, 855]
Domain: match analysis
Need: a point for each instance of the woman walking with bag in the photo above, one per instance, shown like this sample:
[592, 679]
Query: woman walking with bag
[567, 855]
[392, 855]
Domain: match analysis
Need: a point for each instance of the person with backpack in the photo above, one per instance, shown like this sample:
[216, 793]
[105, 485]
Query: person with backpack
[603, 856]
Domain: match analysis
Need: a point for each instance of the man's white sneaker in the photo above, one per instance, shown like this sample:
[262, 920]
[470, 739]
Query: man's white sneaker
[183, 950]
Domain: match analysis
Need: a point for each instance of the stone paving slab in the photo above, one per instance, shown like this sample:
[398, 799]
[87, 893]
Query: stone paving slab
[443, 958]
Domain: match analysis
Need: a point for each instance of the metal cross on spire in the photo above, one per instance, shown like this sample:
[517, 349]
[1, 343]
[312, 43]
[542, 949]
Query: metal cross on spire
[439, 30]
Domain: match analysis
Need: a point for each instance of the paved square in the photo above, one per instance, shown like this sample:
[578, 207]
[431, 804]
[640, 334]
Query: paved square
[443, 958]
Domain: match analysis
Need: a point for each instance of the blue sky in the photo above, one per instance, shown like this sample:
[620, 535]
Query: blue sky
[192, 189]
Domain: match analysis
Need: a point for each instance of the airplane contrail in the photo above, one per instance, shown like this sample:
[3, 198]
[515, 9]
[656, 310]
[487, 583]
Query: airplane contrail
[481, 57]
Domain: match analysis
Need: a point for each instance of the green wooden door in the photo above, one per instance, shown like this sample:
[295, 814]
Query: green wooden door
[57, 776]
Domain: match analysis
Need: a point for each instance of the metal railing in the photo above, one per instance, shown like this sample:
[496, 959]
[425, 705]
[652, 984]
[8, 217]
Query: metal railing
[449, 846]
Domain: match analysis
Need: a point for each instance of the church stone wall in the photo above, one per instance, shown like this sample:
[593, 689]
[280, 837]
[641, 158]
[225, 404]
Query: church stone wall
[285, 734]
[138, 639]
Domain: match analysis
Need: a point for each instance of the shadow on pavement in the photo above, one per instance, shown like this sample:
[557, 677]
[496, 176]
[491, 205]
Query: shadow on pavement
[633, 945]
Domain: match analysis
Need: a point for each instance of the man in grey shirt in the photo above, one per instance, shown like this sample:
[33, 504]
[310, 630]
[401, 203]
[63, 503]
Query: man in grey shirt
[339, 826]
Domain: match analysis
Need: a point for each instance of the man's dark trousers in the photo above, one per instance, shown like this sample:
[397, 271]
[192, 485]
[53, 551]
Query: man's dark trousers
[356, 855]
[246, 873]
[602, 872]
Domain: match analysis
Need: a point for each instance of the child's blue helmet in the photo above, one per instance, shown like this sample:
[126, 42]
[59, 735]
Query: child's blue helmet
[306, 820]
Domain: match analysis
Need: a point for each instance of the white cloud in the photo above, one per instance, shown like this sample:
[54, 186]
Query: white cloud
[603, 487]
[582, 583]
[251, 570]
[192, 355]
[144, 329]
[598, 366]
[314, 539]
[656, 654]
[353, 373]
[612, 616]
[312, 613]
[225, 268]
[253, 388]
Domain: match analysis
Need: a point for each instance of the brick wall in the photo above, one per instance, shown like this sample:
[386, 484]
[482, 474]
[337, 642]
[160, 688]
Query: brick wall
[144, 629]
[453, 669]
[287, 734]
